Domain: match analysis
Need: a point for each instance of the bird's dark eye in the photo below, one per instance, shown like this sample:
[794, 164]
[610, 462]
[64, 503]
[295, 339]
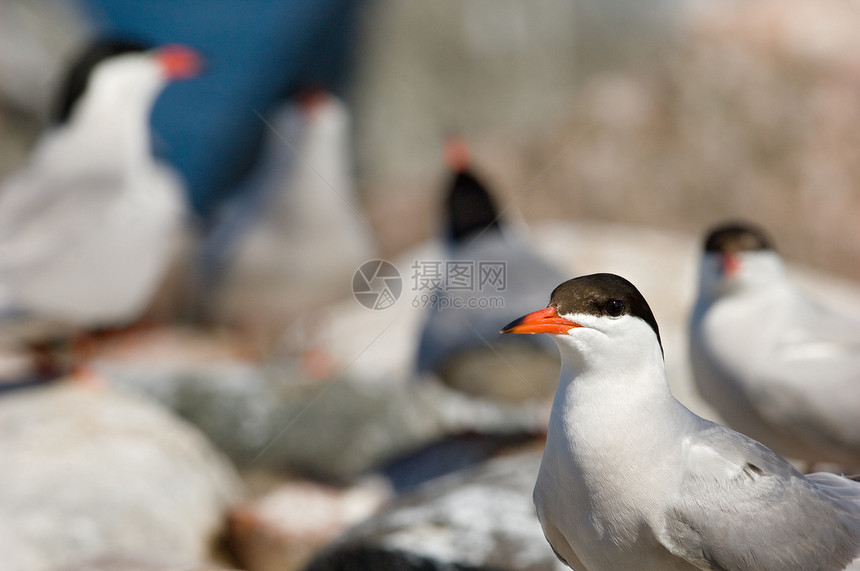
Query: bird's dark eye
[614, 307]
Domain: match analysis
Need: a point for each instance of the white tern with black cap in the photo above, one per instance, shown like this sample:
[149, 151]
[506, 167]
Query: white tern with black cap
[632, 479]
[88, 226]
[774, 363]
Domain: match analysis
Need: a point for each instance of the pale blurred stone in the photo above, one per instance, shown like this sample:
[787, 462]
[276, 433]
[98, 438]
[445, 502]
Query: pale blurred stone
[274, 415]
[88, 473]
[284, 529]
[335, 430]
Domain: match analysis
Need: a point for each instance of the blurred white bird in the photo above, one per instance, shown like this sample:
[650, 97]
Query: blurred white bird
[88, 226]
[774, 363]
[459, 339]
[294, 235]
[631, 479]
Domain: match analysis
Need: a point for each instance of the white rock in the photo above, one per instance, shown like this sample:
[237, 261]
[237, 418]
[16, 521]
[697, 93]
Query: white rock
[283, 529]
[88, 473]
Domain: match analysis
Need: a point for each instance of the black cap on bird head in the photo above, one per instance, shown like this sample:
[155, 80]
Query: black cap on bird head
[602, 295]
[470, 208]
[75, 82]
[733, 237]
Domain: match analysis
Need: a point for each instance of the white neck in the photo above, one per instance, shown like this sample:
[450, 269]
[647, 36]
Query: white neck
[614, 421]
[117, 108]
[607, 403]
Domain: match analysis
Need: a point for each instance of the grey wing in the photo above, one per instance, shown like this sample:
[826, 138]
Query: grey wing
[740, 506]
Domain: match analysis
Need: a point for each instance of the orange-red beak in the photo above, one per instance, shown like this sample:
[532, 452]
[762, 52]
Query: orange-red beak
[457, 154]
[179, 62]
[543, 321]
[730, 263]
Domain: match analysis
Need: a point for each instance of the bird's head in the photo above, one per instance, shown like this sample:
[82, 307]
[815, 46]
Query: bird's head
[121, 71]
[595, 316]
[178, 62]
[737, 256]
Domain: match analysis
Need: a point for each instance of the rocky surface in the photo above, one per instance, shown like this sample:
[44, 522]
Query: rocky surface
[479, 519]
[88, 473]
[278, 415]
[282, 530]
[334, 430]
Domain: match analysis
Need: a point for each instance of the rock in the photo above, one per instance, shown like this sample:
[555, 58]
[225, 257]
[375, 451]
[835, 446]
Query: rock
[274, 416]
[479, 519]
[452, 454]
[140, 564]
[38, 38]
[282, 530]
[512, 372]
[334, 430]
[88, 473]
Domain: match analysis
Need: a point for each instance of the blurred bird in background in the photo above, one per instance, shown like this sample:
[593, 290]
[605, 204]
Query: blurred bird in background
[294, 233]
[776, 364]
[459, 341]
[263, 141]
[89, 225]
[258, 54]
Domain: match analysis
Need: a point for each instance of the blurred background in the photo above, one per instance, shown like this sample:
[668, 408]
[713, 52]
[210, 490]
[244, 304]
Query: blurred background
[610, 134]
[708, 109]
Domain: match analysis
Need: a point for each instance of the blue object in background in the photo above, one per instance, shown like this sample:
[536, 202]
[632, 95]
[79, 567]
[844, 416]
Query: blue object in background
[256, 53]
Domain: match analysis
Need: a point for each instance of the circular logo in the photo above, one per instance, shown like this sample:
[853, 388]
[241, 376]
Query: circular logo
[377, 284]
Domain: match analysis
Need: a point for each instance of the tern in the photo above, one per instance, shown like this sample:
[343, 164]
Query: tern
[459, 340]
[293, 234]
[632, 479]
[89, 225]
[773, 362]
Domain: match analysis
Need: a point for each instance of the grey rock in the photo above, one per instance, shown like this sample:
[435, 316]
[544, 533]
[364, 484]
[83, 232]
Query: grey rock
[87, 473]
[478, 519]
[335, 430]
